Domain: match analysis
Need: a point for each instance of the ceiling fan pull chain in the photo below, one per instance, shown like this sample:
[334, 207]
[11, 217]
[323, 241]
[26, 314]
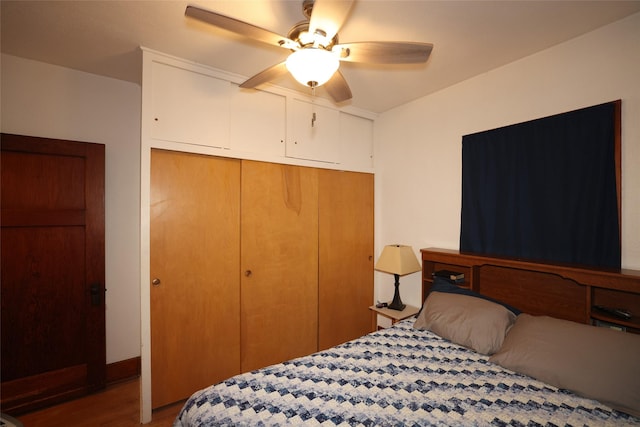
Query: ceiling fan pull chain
[313, 105]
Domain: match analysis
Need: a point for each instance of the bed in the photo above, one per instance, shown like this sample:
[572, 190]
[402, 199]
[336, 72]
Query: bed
[467, 359]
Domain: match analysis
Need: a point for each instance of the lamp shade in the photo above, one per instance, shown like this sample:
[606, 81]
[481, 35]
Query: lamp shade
[398, 259]
[312, 66]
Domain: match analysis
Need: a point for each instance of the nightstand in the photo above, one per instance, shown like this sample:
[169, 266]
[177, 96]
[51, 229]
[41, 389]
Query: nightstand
[394, 315]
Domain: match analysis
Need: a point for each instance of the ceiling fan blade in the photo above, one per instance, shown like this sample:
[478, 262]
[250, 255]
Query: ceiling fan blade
[384, 52]
[239, 27]
[264, 76]
[328, 16]
[338, 88]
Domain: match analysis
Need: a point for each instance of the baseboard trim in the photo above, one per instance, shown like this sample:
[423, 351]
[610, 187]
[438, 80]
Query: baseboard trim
[123, 370]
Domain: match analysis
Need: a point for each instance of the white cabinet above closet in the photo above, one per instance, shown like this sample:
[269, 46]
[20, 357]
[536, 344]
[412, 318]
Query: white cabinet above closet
[257, 122]
[188, 106]
[187, 103]
[314, 132]
[356, 136]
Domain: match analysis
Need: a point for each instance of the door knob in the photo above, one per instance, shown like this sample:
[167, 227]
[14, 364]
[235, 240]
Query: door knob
[155, 282]
[247, 273]
[94, 291]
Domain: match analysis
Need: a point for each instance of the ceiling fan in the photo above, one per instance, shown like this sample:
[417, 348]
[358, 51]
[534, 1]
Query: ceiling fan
[316, 52]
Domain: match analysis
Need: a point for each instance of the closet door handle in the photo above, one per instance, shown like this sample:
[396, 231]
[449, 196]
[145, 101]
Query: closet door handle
[155, 282]
[248, 273]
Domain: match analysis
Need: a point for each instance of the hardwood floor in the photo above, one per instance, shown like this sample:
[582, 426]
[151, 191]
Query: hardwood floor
[117, 406]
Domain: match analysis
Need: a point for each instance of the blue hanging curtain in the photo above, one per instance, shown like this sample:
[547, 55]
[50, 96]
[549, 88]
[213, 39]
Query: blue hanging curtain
[544, 190]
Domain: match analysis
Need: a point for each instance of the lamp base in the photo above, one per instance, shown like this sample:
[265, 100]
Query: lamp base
[398, 307]
[397, 304]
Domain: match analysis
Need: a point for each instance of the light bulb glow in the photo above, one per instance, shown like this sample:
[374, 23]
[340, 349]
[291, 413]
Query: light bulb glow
[312, 66]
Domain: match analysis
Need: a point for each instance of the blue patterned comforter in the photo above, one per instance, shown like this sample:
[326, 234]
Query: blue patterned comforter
[394, 377]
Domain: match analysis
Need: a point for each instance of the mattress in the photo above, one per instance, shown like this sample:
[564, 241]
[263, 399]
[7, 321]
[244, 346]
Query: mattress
[398, 376]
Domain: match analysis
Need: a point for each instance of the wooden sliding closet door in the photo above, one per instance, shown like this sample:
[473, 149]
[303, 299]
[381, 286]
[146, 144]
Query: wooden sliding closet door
[195, 254]
[346, 256]
[279, 263]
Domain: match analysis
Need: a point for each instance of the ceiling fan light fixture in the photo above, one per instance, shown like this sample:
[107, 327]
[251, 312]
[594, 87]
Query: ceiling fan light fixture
[312, 67]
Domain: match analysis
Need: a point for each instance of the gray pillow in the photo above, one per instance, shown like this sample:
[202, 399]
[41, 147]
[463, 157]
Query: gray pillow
[472, 322]
[597, 363]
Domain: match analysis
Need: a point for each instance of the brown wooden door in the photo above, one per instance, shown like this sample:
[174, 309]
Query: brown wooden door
[346, 256]
[195, 256]
[279, 263]
[53, 312]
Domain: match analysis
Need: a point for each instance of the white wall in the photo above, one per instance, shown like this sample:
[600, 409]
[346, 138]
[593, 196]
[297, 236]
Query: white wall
[49, 101]
[418, 145]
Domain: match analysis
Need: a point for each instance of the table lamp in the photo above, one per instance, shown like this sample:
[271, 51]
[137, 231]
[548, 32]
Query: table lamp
[398, 260]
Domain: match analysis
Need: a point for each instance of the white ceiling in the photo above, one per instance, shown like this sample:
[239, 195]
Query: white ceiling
[469, 37]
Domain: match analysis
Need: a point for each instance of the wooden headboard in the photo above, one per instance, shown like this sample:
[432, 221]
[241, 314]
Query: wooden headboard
[565, 292]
